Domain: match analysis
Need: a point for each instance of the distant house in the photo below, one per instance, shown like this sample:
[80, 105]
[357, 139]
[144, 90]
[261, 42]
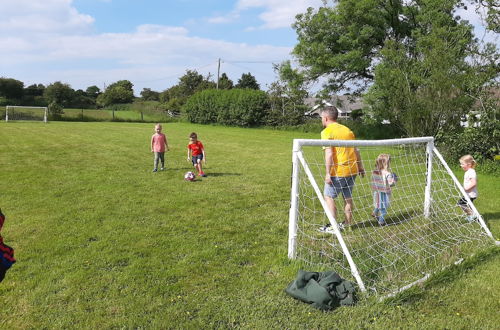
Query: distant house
[346, 104]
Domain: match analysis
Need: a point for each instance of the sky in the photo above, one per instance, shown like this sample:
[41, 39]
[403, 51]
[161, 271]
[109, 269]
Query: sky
[148, 42]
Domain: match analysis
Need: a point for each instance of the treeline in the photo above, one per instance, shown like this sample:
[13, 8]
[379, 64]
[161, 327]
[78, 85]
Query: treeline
[195, 97]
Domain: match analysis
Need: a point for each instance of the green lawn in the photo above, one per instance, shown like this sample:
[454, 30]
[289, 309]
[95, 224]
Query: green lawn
[101, 242]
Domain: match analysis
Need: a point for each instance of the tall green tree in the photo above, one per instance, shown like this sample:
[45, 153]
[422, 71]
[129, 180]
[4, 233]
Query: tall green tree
[149, 95]
[416, 57]
[286, 97]
[225, 82]
[93, 91]
[11, 88]
[191, 82]
[247, 80]
[59, 93]
[117, 93]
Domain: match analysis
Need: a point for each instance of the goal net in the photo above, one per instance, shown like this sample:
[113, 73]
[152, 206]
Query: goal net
[15, 112]
[425, 230]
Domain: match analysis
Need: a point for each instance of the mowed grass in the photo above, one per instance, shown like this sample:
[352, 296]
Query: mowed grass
[101, 242]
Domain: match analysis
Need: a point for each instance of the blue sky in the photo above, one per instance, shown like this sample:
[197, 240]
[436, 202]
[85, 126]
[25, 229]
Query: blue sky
[149, 42]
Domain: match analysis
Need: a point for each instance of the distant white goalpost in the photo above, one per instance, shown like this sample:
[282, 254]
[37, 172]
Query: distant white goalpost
[16, 112]
[426, 230]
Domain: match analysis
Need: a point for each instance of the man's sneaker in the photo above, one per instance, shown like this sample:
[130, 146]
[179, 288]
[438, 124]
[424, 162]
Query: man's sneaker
[155, 170]
[326, 229]
[162, 169]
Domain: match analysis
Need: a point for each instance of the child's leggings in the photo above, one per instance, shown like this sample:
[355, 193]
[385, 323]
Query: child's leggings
[159, 156]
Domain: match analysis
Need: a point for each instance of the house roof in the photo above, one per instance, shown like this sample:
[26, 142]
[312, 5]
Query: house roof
[344, 103]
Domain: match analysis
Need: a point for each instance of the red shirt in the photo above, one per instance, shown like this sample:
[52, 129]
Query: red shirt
[196, 148]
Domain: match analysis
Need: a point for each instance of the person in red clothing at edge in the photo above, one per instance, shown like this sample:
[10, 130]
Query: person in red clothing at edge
[6, 252]
[196, 153]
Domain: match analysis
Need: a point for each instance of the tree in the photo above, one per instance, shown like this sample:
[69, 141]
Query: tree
[149, 95]
[93, 91]
[286, 97]
[247, 81]
[117, 93]
[416, 57]
[11, 88]
[190, 83]
[59, 93]
[225, 82]
[34, 90]
[82, 100]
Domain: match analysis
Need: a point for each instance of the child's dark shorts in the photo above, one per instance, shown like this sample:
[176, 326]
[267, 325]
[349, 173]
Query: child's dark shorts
[195, 159]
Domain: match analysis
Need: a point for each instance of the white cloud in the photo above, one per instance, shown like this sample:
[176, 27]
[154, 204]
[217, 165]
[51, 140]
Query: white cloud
[276, 13]
[58, 44]
[42, 17]
[222, 19]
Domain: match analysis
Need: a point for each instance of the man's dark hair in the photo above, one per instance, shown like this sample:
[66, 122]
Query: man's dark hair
[330, 112]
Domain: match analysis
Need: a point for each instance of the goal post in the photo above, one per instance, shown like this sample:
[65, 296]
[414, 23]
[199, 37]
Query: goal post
[17, 112]
[425, 230]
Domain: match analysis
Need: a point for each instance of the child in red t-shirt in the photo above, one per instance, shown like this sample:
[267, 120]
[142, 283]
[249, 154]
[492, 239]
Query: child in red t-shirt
[196, 153]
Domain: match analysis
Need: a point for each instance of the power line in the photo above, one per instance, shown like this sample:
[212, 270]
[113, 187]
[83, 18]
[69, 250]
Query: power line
[175, 75]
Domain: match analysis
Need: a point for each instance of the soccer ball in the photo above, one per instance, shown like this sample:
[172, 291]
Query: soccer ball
[189, 176]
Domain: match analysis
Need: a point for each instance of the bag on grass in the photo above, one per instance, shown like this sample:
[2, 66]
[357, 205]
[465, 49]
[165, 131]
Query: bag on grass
[323, 290]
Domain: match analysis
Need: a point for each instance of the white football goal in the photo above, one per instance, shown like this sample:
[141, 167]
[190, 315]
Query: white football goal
[16, 112]
[425, 230]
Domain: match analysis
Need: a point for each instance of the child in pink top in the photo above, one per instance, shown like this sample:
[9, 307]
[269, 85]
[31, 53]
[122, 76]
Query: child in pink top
[158, 145]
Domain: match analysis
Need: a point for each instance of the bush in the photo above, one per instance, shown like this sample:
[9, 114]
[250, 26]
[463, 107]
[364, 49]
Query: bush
[481, 142]
[238, 107]
[372, 130]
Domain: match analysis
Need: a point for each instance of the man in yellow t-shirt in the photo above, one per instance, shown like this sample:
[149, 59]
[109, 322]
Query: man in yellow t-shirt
[342, 165]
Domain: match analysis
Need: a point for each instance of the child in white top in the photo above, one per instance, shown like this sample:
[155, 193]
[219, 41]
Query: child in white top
[467, 163]
[382, 181]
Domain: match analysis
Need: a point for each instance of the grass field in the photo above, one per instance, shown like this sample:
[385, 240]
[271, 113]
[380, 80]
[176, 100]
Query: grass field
[101, 242]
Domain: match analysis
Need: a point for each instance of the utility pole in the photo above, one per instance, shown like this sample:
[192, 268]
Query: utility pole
[218, 72]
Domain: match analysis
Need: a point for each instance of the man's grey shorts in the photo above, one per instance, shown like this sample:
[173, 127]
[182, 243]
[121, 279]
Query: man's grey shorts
[340, 185]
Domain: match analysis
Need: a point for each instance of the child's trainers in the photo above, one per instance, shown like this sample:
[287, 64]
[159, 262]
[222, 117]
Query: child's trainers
[326, 229]
[162, 169]
[471, 218]
[381, 222]
[202, 174]
[155, 170]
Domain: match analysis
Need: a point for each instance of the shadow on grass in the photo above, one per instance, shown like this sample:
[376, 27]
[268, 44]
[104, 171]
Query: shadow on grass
[222, 174]
[390, 220]
[491, 216]
[444, 277]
